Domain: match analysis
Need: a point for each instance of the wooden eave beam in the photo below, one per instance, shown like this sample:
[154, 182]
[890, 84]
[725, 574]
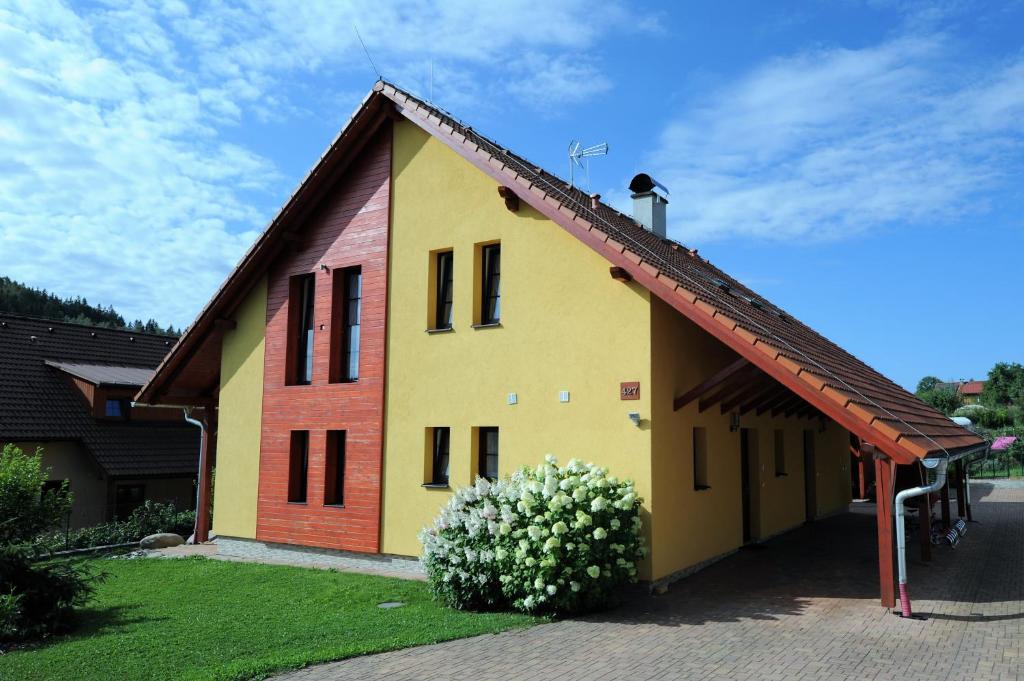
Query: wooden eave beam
[620, 274]
[796, 408]
[765, 393]
[511, 199]
[772, 399]
[738, 382]
[753, 389]
[711, 383]
[783, 406]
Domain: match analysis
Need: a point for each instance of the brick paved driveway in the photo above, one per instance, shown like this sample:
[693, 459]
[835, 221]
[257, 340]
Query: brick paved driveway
[803, 606]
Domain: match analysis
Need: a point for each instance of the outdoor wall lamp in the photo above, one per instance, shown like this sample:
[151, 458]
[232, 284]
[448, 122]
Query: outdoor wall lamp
[634, 416]
[734, 422]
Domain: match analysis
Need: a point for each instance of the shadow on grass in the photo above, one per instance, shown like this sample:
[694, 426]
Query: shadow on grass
[89, 622]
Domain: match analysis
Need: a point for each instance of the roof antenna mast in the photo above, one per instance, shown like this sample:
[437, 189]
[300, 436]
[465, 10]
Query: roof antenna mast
[367, 52]
[577, 152]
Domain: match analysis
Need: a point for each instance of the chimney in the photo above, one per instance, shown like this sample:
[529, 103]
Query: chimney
[648, 205]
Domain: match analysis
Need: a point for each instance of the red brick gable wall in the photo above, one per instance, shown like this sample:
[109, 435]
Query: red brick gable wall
[350, 228]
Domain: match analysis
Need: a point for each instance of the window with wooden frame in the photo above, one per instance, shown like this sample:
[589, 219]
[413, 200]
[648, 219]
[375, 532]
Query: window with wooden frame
[440, 446]
[700, 459]
[301, 301]
[443, 289]
[487, 453]
[117, 408]
[490, 284]
[298, 466]
[780, 453]
[346, 303]
[334, 470]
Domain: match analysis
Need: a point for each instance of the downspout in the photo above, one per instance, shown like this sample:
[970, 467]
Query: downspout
[901, 528]
[199, 478]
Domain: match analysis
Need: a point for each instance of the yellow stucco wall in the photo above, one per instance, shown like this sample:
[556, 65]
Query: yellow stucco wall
[565, 325]
[692, 526]
[241, 405]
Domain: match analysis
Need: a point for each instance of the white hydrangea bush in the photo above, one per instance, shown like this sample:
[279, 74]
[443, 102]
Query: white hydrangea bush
[548, 539]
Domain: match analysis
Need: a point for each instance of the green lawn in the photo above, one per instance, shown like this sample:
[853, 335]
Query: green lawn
[208, 619]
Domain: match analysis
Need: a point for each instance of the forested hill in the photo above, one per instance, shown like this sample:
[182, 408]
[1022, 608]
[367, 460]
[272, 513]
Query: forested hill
[17, 298]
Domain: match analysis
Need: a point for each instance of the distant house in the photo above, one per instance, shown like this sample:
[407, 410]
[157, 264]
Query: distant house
[67, 388]
[969, 391]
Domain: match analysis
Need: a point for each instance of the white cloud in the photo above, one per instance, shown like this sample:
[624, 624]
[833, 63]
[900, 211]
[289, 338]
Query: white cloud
[123, 178]
[836, 141]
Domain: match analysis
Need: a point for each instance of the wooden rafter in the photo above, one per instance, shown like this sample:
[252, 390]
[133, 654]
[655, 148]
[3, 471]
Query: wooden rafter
[710, 384]
[755, 400]
[737, 382]
[796, 408]
[773, 400]
[785, 405]
[752, 390]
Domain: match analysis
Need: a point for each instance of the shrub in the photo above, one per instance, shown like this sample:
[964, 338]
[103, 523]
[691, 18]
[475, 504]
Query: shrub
[550, 539]
[25, 510]
[40, 597]
[149, 518]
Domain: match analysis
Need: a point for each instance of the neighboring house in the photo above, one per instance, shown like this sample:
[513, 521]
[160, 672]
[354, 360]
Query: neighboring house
[970, 391]
[429, 307]
[67, 388]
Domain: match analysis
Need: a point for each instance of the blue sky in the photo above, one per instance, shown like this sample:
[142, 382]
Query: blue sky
[859, 163]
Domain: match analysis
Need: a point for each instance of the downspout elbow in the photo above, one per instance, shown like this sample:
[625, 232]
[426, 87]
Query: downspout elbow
[199, 477]
[901, 530]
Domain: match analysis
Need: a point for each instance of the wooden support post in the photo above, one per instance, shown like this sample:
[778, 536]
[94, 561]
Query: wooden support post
[883, 506]
[206, 468]
[961, 502]
[925, 526]
[967, 494]
[944, 503]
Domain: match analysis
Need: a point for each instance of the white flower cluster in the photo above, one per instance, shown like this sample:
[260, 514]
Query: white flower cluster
[550, 538]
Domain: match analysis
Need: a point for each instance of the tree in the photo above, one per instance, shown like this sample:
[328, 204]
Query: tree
[927, 384]
[1005, 385]
[945, 400]
[25, 509]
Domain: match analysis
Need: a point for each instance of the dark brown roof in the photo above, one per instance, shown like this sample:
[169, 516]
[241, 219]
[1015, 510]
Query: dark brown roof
[817, 370]
[106, 374]
[38, 402]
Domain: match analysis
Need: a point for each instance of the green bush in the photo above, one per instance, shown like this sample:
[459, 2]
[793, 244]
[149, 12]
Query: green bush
[549, 539]
[149, 518]
[25, 511]
[40, 597]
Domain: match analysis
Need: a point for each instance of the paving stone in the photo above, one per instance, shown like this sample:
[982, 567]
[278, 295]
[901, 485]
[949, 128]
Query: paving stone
[804, 607]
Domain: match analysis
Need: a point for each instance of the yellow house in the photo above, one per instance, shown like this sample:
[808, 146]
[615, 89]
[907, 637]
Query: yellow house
[429, 307]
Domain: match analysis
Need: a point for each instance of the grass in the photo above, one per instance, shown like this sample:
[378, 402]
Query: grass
[207, 619]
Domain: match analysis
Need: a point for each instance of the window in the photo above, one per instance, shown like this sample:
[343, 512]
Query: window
[443, 290]
[490, 299]
[300, 300]
[334, 472]
[347, 301]
[700, 459]
[440, 443]
[127, 498]
[116, 409]
[298, 466]
[780, 453]
[487, 464]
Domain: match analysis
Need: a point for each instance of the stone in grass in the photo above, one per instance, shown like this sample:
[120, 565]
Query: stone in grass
[161, 541]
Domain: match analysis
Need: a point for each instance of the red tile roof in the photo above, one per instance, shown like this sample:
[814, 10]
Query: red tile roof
[817, 370]
[972, 387]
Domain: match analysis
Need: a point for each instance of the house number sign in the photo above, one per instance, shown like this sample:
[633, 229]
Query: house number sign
[629, 390]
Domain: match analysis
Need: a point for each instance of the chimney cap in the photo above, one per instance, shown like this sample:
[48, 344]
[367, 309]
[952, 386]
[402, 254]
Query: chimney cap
[642, 182]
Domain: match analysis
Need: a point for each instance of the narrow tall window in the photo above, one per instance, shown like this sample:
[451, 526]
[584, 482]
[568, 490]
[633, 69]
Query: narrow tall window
[487, 465]
[347, 299]
[700, 459]
[439, 459]
[301, 302]
[334, 471]
[780, 453]
[443, 292]
[298, 466]
[490, 299]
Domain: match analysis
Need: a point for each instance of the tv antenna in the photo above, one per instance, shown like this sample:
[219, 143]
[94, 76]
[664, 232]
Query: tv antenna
[577, 154]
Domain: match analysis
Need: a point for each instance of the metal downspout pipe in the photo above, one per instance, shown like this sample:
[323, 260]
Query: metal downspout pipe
[199, 478]
[940, 466]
